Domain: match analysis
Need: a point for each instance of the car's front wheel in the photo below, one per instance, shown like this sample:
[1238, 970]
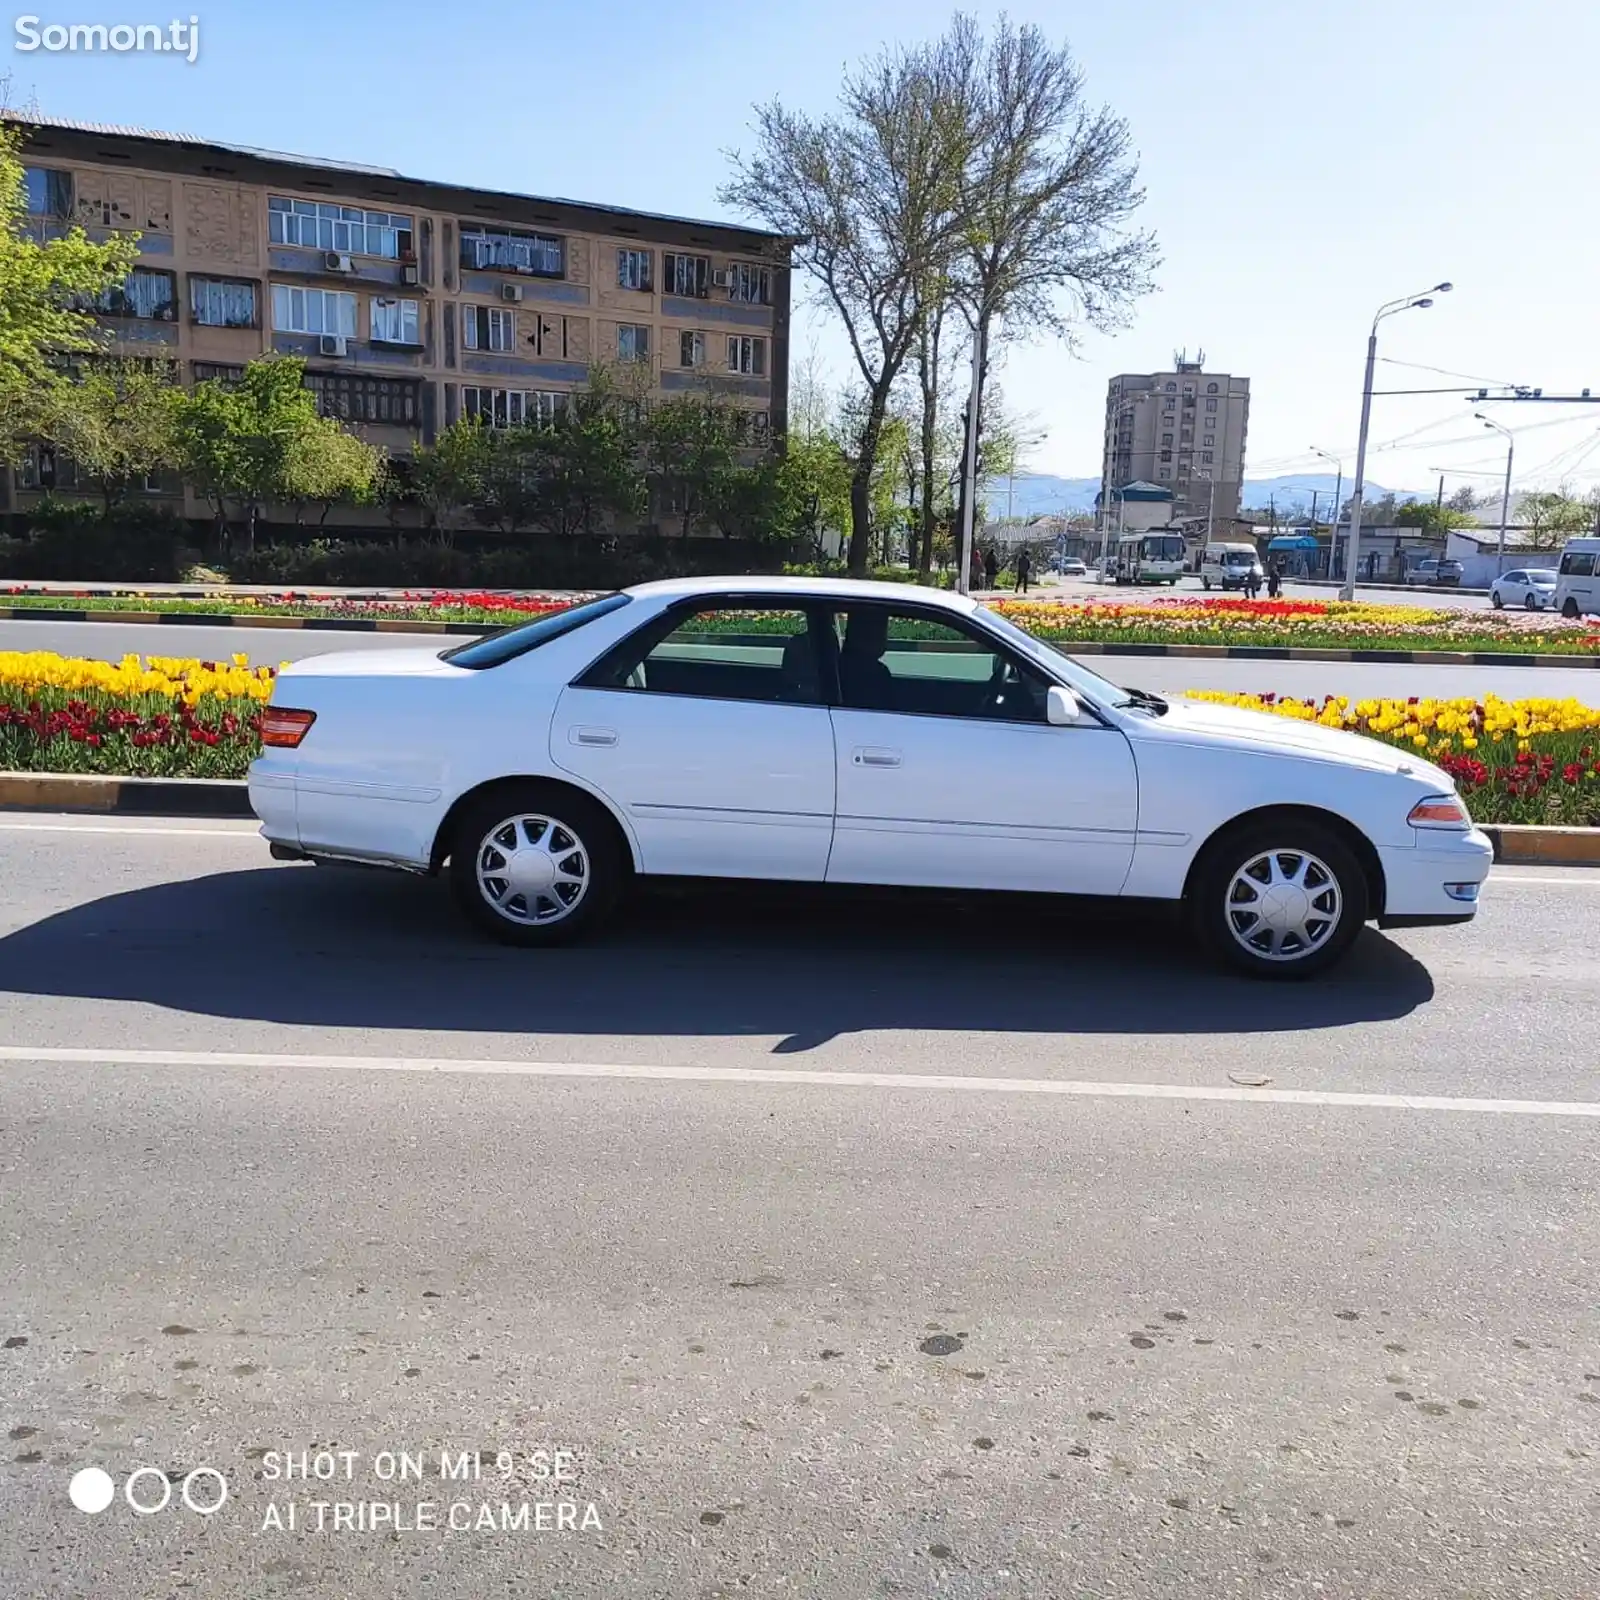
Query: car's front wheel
[1530, 601]
[535, 864]
[1497, 600]
[1279, 899]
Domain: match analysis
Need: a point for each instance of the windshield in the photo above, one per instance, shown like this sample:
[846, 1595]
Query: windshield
[1238, 558]
[508, 643]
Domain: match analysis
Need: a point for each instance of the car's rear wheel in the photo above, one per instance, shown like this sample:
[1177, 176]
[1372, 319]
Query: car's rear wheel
[1205, 583]
[1570, 609]
[1279, 899]
[534, 864]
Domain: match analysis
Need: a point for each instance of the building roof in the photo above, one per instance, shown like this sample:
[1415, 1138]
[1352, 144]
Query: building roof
[194, 142]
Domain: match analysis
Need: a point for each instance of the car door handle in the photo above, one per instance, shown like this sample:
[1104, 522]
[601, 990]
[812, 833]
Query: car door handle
[593, 736]
[873, 756]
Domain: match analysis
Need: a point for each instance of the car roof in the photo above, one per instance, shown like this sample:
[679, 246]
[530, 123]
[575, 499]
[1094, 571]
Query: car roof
[823, 588]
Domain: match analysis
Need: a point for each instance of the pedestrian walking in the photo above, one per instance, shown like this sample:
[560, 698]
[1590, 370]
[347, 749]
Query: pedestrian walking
[1252, 582]
[1024, 571]
[991, 568]
[1275, 580]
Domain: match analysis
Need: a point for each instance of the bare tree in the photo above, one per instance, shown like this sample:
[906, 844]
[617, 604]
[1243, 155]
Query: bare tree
[1049, 192]
[871, 195]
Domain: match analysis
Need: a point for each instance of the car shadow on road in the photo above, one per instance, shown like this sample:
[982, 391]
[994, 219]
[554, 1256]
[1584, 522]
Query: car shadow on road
[325, 947]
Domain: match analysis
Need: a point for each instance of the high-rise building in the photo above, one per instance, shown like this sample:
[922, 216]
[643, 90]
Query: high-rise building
[1183, 430]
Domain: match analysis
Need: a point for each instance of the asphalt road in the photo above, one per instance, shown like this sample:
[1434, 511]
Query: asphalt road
[108, 641]
[291, 1162]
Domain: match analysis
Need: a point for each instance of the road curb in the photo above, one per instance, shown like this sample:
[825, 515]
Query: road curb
[1549, 847]
[1097, 647]
[136, 797]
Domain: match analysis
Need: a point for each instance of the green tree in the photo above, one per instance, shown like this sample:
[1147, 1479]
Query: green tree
[43, 285]
[330, 467]
[814, 488]
[690, 446]
[447, 476]
[1552, 516]
[1431, 518]
[116, 420]
[262, 440]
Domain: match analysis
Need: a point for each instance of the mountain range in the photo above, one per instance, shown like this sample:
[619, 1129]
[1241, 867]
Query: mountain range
[1040, 494]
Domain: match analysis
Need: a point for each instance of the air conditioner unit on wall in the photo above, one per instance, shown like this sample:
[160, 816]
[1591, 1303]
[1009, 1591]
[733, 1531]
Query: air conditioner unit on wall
[410, 277]
[331, 344]
[511, 291]
[722, 278]
[334, 262]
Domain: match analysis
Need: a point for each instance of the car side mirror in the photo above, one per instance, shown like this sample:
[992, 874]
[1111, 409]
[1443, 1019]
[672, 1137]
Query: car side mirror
[1062, 707]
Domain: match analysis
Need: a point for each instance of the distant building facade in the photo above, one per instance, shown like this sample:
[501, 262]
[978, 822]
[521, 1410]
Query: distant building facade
[1184, 430]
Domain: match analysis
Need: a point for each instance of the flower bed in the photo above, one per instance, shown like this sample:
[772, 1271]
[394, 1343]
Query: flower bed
[154, 717]
[1274, 624]
[1514, 761]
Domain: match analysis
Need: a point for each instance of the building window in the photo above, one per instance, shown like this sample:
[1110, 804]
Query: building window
[1209, 439]
[1211, 388]
[752, 427]
[317, 225]
[1205, 456]
[500, 250]
[685, 275]
[1166, 438]
[355, 399]
[747, 355]
[47, 192]
[144, 293]
[396, 321]
[512, 408]
[1166, 455]
[633, 342]
[44, 467]
[1211, 405]
[313, 310]
[488, 328]
[1166, 472]
[633, 269]
[222, 302]
[691, 349]
[224, 372]
[1172, 388]
[751, 284]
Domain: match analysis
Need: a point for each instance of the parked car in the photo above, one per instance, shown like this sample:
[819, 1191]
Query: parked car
[1073, 568]
[844, 732]
[1533, 588]
[1578, 579]
[1436, 572]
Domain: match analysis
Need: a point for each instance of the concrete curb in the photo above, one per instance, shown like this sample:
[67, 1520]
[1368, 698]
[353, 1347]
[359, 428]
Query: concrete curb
[1204, 652]
[136, 797]
[1550, 847]
[229, 797]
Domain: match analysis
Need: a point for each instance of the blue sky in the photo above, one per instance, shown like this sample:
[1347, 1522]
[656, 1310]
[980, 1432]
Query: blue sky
[1303, 163]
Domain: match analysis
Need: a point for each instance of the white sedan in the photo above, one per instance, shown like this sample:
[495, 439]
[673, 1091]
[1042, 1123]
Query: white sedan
[1533, 588]
[838, 732]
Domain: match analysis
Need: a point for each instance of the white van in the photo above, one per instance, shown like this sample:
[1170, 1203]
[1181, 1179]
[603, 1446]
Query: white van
[1578, 578]
[1229, 565]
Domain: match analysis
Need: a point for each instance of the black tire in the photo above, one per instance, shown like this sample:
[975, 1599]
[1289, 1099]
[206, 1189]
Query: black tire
[1530, 601]
[595, 852]
[1496, 600]
[1570, 609]
[1205, 582]
[1214, 914]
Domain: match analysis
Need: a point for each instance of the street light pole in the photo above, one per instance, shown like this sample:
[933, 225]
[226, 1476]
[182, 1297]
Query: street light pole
[1505, 499]
[1338, 491]
[1421, 302]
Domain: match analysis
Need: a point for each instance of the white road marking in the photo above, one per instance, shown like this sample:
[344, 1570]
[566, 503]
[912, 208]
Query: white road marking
[1576, 878]
[935, 1082]
[245, 831]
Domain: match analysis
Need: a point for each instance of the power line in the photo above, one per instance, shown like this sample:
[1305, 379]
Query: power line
[1445, 372]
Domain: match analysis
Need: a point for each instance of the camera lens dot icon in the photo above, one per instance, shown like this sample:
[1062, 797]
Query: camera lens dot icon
[91, 1490]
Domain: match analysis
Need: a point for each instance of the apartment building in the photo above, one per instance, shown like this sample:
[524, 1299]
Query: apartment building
[1184, 430]
[412, 302]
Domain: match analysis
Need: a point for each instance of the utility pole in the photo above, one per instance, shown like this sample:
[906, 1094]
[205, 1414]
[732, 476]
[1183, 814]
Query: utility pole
[969, 487]
[1438, 504]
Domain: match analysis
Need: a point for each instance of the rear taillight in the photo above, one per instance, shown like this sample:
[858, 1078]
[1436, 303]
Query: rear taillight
[284, 728]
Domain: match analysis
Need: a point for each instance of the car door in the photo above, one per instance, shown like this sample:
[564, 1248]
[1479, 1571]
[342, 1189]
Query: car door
[708, 731]
[949, 774]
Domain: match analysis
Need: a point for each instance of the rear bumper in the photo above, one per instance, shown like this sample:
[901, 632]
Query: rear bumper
[1436, 881]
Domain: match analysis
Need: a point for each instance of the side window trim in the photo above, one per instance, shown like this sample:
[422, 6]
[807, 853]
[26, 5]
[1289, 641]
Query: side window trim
[666, 622]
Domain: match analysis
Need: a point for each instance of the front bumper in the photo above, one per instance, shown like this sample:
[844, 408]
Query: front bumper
[1437, 880]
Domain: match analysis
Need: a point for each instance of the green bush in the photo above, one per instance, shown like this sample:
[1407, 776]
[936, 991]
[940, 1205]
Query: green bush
[71, 541]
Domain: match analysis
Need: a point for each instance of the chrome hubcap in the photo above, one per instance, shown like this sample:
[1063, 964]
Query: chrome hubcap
[1283, 904]
[532, 869]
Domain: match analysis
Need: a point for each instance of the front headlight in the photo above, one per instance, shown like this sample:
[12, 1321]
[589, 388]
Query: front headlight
[1440, 811]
